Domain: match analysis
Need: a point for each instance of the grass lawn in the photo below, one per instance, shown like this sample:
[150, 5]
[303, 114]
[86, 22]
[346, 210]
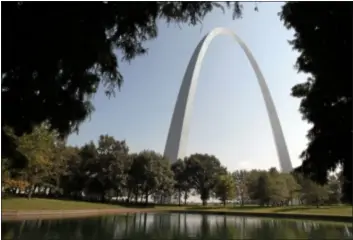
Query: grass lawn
[50, 204]
[342, 210]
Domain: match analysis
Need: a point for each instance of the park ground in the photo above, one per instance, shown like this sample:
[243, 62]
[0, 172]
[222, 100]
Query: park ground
[37, 204]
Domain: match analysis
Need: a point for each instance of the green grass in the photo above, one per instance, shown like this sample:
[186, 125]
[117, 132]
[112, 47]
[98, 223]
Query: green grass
[341, 210]
[50, 204]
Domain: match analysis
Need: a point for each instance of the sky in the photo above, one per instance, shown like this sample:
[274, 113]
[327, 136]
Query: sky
[229, 118]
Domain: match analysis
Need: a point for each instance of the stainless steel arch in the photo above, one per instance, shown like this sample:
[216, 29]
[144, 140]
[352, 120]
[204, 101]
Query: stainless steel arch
[179, 128]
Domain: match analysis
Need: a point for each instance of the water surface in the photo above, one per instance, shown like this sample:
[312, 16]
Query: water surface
[166, 226]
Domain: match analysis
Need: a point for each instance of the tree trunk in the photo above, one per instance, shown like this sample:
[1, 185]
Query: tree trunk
[185, 198]
[103, 197]
[128, 196]
[224, 203]
[179, 198]
[29, 195]
[136, 198]
[31, 191]
[204, 202]
[146, 198]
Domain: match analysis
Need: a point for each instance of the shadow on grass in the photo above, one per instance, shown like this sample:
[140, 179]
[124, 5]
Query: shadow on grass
[135, 205]
[290, 209]
[225, 208]
[6, 197]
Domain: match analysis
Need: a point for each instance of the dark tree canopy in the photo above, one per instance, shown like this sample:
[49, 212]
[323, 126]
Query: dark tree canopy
[323, 37]
[55, 55]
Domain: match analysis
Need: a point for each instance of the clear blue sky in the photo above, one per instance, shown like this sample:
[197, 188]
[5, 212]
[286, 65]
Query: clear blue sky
[229, 117]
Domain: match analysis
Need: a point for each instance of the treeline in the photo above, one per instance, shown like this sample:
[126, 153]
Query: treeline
[107, 170]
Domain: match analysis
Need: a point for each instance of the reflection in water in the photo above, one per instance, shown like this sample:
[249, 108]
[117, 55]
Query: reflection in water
[173, 226]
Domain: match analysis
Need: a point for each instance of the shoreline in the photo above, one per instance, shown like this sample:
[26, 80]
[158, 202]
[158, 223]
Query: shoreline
[298, 216]
[19, 215]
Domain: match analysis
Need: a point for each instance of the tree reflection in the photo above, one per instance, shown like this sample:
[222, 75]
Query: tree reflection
[173, 226]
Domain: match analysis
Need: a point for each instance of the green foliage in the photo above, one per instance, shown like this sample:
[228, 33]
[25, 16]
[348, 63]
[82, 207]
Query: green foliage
[251, 184]
[105, 164]
[240, 179]
[323, 38]
[74, 178]
[225, 188]
[5, 170]
[38, 147]
[151, 172]
[334, 189]
[279, 191]
[106, 169]
[314, 193]
[114, 154]
[60, 163]
[55, 60]
[291, 186]
[182, 180]
[263, 189]
[203, 170]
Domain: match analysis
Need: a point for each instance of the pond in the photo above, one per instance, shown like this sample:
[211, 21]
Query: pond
[166, 226]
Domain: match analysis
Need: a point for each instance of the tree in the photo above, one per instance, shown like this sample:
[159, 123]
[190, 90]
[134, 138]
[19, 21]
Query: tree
[130, 186]
[263, 189]
[7, 181]
[149, 171]
[240, 178]
[182, 180]
[225, 188]
[69, 51]
[272, 187]
[279, 191]
[62, 157]
[73, 180]
[314, 193]
[38, 147]
[5, 170]
[91, 170]
[334, 189]
[115, 154]
[292, 187]
[203, 170]
[105, 165]
[166, 180]
[323, 38]
[252, 182]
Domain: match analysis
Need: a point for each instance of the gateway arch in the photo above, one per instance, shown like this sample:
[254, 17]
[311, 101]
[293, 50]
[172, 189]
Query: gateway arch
[175, 147]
